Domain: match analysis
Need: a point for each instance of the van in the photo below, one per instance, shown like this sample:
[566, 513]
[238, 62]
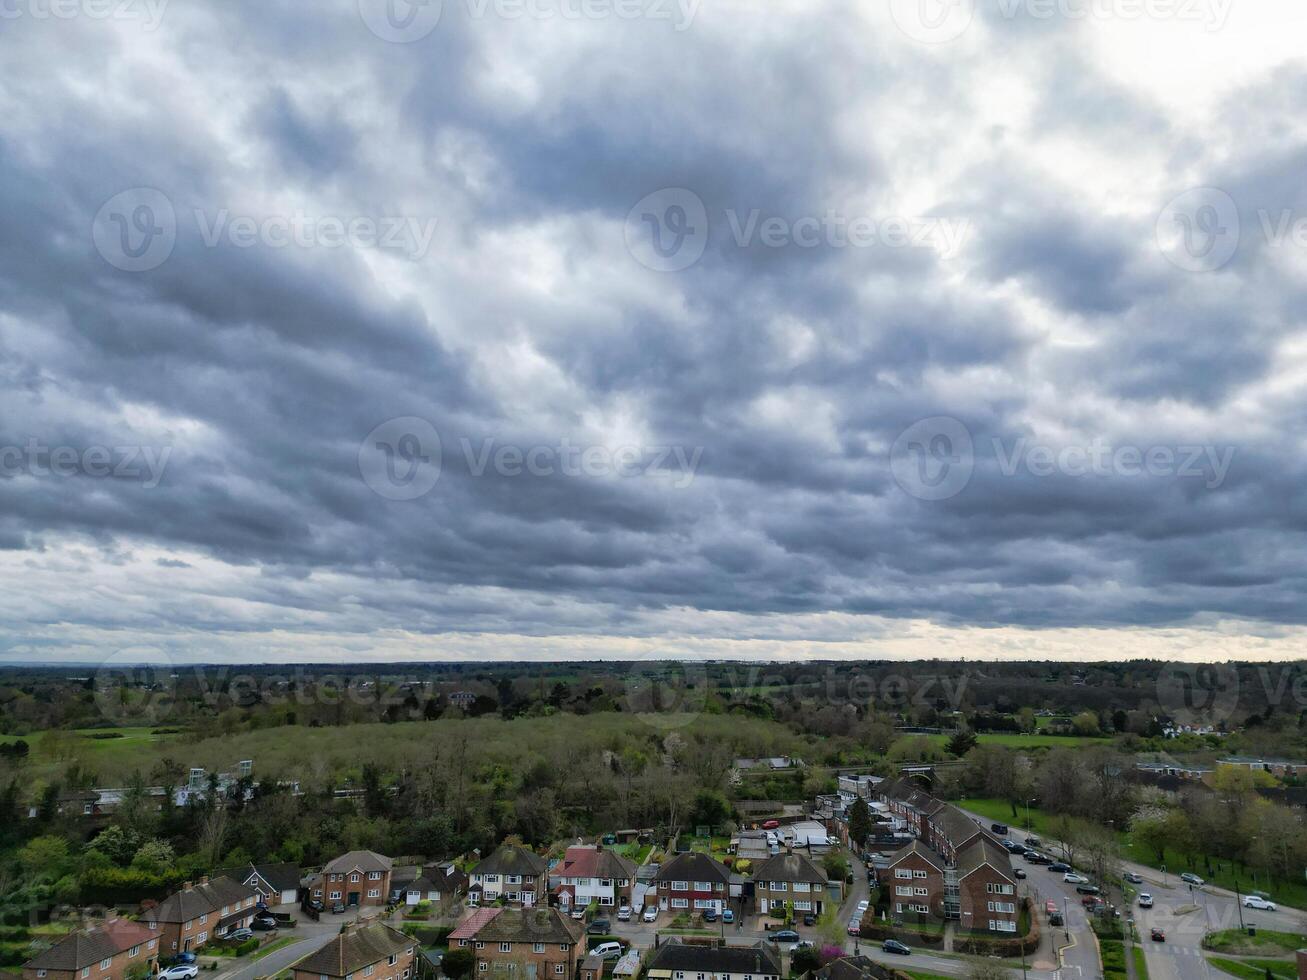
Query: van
[608, 951]
[999, 828]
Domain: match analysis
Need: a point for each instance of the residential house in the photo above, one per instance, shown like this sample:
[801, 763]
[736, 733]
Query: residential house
[915, 877]
[673, 959]
[854, 968]
[112, 951]
[275, 884]
[201, 911]
[793, 881]
[533, 943]
[592, 967]
[1282, 768]
[692, 881]
[862, 785]
[629, 965]
[442, 882]
[512, 872]
[987, 887]
[363, 951]
[591, 873]
[357, 878]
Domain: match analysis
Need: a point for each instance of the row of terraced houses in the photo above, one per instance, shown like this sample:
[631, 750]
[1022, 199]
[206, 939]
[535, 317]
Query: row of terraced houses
[955, 869]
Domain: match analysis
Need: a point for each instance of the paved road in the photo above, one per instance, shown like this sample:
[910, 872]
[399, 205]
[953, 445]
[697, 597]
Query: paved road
[314, 937]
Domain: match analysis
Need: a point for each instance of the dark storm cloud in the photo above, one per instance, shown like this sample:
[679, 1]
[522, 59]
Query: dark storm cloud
[787, 372]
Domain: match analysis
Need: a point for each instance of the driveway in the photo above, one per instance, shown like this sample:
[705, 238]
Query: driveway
[309, 938]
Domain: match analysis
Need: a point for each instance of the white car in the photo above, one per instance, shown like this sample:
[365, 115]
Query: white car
[578, 913]
[801, 944]
[184, 971]
[1257, 902]
[1145, 900]
[1071, 878]
[650, 914]
[862, 907]
[624, 914]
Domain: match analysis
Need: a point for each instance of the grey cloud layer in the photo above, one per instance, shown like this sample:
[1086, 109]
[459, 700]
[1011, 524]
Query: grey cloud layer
[527, 322]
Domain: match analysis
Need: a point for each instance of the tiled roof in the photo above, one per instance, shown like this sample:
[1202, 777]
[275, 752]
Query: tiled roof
[677, 956]
[512, 859]
[355, 948]
[201, 899]
[282, 877]
[86, 947]
[848, 968]
[918, 848]
[789, 867]
[592, 862]
[693, 866]
[983, 850]
[359, 860]
[503, 925]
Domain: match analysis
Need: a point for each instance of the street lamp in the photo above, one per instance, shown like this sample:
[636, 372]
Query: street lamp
[1028, 802]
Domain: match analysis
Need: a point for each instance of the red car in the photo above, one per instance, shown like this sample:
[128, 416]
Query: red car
[1159, 936]
[771, 824]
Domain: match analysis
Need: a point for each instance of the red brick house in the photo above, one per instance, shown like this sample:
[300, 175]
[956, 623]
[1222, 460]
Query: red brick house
[201, 911]
[791, 881]
[915, 879]
[988, 890]
[593, 874]
[517, 875]
[371, 951]
[359, 878]
[530, 944]
[692, 882]
[110, 951]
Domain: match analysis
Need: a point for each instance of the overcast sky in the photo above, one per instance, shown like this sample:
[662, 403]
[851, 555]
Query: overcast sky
[584, 328]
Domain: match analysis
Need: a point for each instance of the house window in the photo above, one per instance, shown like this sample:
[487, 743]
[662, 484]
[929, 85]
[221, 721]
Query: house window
[86, 971]
[481, 945]
[778, 886]
[392, 960]
[483, 966]
[918, 874]
[680, 903]
[558, 969]
[505, 947]
[367, 971]
[920, 891]
[355, 877]
[680, 886]
[904, 891]
[40, 973]
[538, 948]
[204, 918]
[134, 950]
[902, 872]
[374, 876]
[564, 947]
[514, 879]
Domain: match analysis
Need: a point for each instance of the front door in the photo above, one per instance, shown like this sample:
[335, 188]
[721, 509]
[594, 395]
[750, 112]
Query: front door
[353, 898]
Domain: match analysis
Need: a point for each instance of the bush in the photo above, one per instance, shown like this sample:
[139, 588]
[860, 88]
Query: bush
[458, 963]
[880, 930]
[1112, 953]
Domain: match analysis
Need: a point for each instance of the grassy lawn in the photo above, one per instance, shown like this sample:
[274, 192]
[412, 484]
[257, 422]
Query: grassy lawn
[1141, 964]
[1255, 969]
[1015, 740]
[1266, 943]
[639, 853]
[272, 947]
[923, 975]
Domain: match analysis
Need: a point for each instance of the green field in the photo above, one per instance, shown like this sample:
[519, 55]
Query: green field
[1256, 969]
[1014, 740]
[1267, 942]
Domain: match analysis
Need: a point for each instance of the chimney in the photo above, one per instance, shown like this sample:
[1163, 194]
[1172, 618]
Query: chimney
[187, 885]
[204, 879]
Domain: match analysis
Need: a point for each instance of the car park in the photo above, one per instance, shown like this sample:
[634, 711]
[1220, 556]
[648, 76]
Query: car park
[650, 914]
[894, 946]
[1133, 878]
[1145, 900]
[1256, 902]
[184, 971]
[784, 936]
[1071, 878]
[608, 950]
[1191, 878]
[599, 927]
[1158, 936]
[624, 914]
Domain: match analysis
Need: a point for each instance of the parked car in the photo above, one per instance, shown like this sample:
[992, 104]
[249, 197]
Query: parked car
[1086, 888]
[894, 946]
[801, 944]
[608, 951]
[650, 914]
[263, 923]
[1071, 878]
[784, 936]
[1059, 866]
[316, 906]
[770, 824]
[809, 919]
[184, 971]
[1018, 873]
[855, 927]
[1050, 906]
[624, 914]
[728, 915]
[1256, 902]
[1034, 857]
[1192, 878]
[863, 906]
[1033, 841]
[1089, 901]
[180, 959]
[709, 915]
[1158, 936]
[1145, 900]
[239, 935]
[1133, 878]
[999, 828]
[599, 927]
[578, 913]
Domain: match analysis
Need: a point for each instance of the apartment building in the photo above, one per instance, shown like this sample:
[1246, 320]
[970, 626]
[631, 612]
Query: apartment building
[200, 911]
[915, 878]
[518, 875]
[534, 944]
[111, 951]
